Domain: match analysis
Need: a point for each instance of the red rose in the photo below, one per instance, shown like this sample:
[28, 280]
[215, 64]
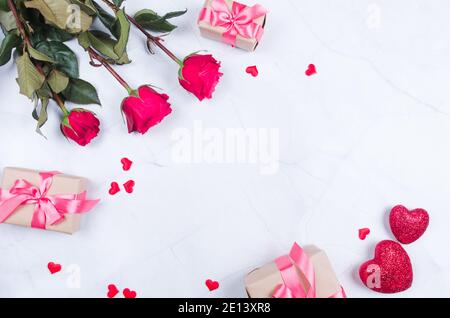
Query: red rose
[145, 110]
[81, 126]
[200, 75]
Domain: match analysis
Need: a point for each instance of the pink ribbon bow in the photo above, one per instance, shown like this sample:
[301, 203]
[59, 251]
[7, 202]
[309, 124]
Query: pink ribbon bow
[49, 209]
[292, 286]
[237, 21]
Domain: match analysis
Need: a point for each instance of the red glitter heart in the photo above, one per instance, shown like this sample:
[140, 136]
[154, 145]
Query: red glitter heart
[311, 70]
[362, 233]
[126, 164]
[253, 70]
[212, 284]
[112, 291]
[53, 267]
[407, 226]
[390, 271]
[114, 188]
[128, 186]
[127, 293]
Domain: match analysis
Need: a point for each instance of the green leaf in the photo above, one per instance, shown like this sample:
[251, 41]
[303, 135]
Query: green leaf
[46, 32]
[162, 26]
[83, 40]
[62, 14]
[42, 119]
[44, 91]
[57, 81]
[174, 14]
[10, 41]
[86, 5]
[149, 19]
[103, 43]
[124, 29]
[81, 92]
[111, 22]
[42, 116]
[37, 36]
[35, 109]
[29, 78]
[106, 19]
[118, 3]
[8, 21]
[4, 5]
[65, 60]
[55, 34]
[39, 55]
[123, 60]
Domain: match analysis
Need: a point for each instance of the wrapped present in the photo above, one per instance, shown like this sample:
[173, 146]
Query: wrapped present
[304, 273]
[44, 200]
[233, 23]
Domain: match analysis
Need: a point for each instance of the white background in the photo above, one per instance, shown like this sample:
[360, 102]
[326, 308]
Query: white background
[369, 131]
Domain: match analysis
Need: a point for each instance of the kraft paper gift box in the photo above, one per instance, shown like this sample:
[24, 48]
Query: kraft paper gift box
[63, 186]
[234, 23]
[266, 280]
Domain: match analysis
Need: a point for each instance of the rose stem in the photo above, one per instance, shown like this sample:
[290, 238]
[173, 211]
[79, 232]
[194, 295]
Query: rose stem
[24, 36]
[154, 39]
[105, 64]
[60, 103]
[19, 23]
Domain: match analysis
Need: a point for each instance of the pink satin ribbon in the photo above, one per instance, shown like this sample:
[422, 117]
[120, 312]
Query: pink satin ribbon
[237, 21]
[49, 209]
[292, 286]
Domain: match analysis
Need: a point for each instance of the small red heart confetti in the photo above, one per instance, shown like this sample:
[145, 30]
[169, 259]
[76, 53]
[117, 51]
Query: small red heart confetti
[311, 70]
[407, 226]
[112, 291]
[114, 188]
[53, 267]
[212, 284]
[363, 233]
[390, 271]
[253, 70]
[129, 293]
[126, 164]
[128, 186]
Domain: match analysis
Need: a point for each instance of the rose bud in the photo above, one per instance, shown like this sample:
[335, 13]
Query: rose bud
[199, 75]
[81, 126]
[144, 109]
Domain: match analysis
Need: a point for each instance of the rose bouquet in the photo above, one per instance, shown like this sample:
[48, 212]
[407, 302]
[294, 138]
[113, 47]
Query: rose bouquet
[35, 35]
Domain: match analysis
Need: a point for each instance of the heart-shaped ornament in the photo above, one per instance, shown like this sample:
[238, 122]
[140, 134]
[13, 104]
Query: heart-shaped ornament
[212, 284]
[252, 70]
[362, 233]
[112, 291]
[311, 70]
[390, 271]
[127, 293]
[126, 163]
[407, 226]
[114, 188]
[54, 267]
[129, 186]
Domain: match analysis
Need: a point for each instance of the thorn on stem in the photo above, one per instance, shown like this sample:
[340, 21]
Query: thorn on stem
[149, 46]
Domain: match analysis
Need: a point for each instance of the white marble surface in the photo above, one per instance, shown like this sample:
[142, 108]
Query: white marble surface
[370, 130]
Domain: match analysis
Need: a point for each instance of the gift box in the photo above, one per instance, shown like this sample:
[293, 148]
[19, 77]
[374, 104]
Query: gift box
[232, 22]
[45, 200]
[304, 273]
